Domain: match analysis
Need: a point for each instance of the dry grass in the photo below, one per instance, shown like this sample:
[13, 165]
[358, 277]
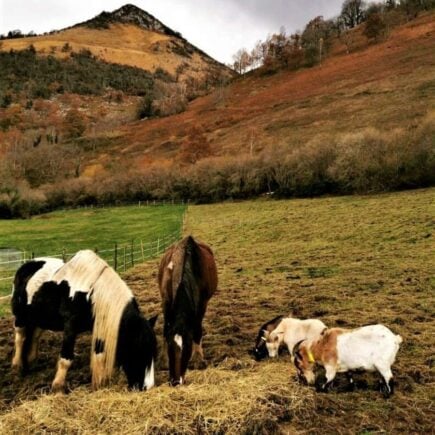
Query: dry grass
[124, 44]
[218, 400]
[385, 86]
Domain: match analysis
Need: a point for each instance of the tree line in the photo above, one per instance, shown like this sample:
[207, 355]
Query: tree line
[307, 48]
[364, 162]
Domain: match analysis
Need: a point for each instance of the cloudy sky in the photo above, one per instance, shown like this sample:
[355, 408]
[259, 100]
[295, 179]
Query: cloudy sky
[219, 27]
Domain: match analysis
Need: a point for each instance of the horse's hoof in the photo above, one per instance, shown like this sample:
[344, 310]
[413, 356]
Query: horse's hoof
[58, 388]
[16, 368]
[201, 365]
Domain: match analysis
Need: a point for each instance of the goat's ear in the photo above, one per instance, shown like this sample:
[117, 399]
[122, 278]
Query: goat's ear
[265, 332]
[296, 347]
[152, 321]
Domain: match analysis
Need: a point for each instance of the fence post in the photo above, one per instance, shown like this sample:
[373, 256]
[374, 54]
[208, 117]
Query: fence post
[131, 252]
[115, 254]
[33, 255]
[63, 255]
[141, 248]
[124, 258]
[158, 246]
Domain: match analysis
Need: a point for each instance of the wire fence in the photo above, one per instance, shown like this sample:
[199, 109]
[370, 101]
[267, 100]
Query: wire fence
[141, 203]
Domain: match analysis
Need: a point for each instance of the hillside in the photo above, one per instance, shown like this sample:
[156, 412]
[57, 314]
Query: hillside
[387, 86]
[362, 121]
[128, 36]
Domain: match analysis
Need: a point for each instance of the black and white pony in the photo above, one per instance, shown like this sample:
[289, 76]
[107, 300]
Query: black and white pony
[81, 295]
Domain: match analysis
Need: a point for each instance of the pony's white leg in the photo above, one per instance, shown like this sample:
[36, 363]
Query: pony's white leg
[149, 380]
[34, 347]
[65, 360]
[20, 336]
[58, 384]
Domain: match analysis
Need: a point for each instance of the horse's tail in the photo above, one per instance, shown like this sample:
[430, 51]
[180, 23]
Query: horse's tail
[186, 269]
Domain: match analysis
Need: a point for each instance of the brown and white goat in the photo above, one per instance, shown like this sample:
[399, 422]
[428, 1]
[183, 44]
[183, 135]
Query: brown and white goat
[290, 331]
[371, 348]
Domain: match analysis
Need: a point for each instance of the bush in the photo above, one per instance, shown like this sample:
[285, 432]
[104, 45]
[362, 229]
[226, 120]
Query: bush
[363, 162]
[375, 27]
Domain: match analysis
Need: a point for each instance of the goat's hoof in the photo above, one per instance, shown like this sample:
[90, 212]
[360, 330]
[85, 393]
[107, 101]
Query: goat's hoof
[351, 386]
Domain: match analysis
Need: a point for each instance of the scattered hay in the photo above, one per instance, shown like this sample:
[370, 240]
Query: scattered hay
[234, 398]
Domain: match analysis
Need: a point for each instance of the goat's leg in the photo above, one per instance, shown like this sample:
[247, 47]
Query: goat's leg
[387, 381]
[331, 371]
[351, 383]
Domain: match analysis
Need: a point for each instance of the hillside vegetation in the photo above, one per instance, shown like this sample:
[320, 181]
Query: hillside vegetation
[361, 121]
[127, 36]
[349, 261]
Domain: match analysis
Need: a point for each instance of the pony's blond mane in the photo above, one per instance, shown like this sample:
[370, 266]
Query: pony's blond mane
[87, 272]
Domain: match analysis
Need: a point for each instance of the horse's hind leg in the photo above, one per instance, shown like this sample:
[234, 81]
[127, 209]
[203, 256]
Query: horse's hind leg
[20, 336]
[34, 345]
[197, 352]
[65, 361]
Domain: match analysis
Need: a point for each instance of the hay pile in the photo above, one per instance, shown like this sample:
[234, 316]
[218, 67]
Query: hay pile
[236, 397]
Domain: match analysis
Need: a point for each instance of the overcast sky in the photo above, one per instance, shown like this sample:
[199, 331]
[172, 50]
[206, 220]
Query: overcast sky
[219, 27]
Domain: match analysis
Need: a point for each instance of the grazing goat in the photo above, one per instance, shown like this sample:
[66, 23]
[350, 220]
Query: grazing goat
[371, 348]
[289, 331]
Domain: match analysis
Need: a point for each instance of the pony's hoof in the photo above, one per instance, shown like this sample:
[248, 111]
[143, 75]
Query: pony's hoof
[16, 368]
[58, 388]
[201, 365]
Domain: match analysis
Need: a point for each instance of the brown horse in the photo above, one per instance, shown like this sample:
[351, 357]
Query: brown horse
[187, 280]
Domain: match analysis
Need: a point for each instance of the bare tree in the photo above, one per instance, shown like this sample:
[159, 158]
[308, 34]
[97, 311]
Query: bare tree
[242, 61]
[353, 12]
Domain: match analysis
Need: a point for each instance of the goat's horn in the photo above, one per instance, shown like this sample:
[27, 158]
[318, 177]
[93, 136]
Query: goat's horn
[296, 346]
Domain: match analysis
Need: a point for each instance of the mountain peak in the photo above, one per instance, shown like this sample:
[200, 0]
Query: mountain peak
[129, 14]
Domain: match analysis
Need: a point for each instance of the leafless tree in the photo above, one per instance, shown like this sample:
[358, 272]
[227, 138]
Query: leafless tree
[353, 12]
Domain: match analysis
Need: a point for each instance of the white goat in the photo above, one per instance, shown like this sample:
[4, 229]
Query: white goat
[372, 348]
[290, 331]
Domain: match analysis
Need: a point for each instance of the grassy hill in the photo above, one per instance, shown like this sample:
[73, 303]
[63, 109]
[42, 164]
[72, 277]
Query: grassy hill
[349, 261]
[123, 37]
